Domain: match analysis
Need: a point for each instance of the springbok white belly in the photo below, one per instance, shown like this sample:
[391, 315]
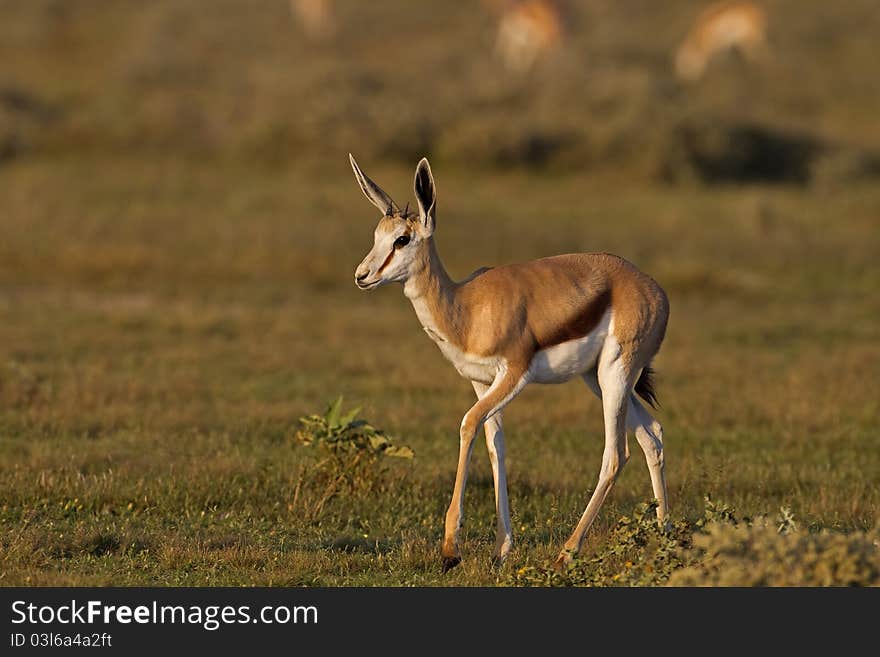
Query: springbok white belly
[566, 360]
[555, 364]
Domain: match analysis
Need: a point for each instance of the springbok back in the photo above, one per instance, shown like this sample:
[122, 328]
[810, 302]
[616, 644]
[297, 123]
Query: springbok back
[527, 31]
[723, 26]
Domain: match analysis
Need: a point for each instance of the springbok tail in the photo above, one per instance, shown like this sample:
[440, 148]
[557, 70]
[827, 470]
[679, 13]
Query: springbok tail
[646, 387]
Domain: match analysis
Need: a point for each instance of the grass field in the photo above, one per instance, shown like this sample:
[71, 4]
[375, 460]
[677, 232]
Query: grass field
[175, 294]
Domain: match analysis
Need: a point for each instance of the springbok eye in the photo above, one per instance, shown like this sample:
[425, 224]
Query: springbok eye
[401, 241]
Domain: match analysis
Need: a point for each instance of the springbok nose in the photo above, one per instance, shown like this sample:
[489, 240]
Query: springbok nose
[361, 277]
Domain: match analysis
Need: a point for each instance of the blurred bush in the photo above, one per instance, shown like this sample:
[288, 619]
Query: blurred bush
[759, 555]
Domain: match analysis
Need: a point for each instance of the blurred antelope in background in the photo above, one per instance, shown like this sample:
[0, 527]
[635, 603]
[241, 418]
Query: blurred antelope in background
[588, 315]
[527, 31]
[315, 16]
[721, 27]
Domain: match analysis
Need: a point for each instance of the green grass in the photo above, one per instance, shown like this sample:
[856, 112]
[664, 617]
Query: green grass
[163, 326]
[179, 229]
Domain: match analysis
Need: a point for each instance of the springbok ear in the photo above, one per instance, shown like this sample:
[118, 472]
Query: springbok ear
[373, 192]
[426, 195]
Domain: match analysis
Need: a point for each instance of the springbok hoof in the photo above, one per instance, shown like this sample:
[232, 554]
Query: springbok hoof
[562, 561]
[450, 562]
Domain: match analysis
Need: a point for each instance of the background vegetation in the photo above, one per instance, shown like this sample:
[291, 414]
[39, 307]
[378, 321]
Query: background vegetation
[179, 229]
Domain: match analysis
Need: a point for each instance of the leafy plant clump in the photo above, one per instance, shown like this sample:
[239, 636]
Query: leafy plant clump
[639, 552]
[350, 448]
[344, 434]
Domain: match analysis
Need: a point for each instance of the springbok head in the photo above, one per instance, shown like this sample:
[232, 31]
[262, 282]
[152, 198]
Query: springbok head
[400, 241]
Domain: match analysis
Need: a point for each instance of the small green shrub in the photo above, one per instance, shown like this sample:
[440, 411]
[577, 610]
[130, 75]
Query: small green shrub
[343, 435]
[350, 452]
[639, 552]
[719, 549]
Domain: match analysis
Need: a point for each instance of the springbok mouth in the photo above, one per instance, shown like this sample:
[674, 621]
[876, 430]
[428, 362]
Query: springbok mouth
[367, 286]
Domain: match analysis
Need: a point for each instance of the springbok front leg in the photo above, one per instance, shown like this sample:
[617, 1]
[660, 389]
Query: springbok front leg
[615, 384]
[495, 445]
[507, 384]
[649, 435]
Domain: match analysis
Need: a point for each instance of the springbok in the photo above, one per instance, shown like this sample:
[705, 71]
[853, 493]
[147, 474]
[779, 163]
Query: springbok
[723, 26]
[315, 16]
[592, 315]
[527, 29]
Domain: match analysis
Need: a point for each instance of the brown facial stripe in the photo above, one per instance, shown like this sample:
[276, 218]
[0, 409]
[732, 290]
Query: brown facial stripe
[580, 325]
[387, 260]
[390, 255]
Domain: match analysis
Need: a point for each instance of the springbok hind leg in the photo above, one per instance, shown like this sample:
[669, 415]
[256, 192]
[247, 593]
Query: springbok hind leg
[615, 385]
[649, 435]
